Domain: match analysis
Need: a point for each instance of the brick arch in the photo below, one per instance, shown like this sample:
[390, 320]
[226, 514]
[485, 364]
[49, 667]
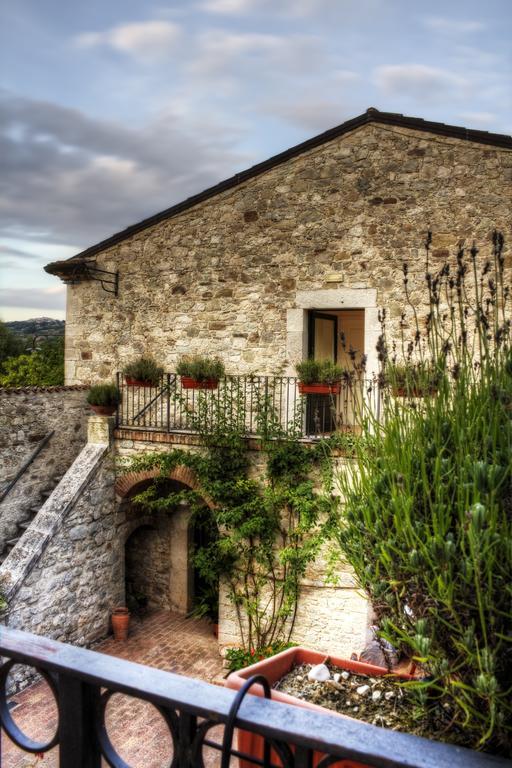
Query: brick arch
[125, 485]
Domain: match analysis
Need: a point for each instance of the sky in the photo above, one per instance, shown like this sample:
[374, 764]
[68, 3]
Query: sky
[112, 110]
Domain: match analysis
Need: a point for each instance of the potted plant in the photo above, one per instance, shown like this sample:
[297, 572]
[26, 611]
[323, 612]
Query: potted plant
[200, 372]
[143, 372]
[275, 668]
[413, 379]
[104, 399]
[319, 377]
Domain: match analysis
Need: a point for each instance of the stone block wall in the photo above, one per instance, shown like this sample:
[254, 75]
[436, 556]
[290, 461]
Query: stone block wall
[236, 274]
[26, 416]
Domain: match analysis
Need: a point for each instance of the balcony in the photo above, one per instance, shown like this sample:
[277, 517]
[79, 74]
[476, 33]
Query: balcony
[201, 718]
[253, 402]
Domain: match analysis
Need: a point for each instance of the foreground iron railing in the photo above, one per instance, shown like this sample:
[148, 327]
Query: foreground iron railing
[83, 682]
[169, 407]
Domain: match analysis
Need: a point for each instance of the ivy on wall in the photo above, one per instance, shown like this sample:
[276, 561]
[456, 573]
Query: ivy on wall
[270, 528]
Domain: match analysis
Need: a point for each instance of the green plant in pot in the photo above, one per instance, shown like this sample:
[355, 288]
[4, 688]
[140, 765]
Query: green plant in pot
[143, 372]
[413, 379]
[104, 399]
[321, 377]
[199, 372]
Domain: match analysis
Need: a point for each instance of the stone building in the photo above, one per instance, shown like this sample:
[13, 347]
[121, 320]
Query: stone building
[264, 269]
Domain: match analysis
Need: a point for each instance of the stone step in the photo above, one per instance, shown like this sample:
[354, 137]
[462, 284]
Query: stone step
[10, 543]
[25, 524]
[34, 510]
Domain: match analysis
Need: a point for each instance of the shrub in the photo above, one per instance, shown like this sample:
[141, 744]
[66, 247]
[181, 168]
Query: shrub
[144, 369]
[104, 394]
[201, 368]
[428, 515]
[319, 372]
[238, 658]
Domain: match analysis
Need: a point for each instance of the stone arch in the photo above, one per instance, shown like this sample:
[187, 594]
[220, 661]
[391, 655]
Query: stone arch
[128, 484]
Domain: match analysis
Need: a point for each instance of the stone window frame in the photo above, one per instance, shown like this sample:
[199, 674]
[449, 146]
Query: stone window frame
[333, 299]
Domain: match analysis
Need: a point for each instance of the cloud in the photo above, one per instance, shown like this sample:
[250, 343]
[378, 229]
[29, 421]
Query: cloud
[145, 40]
[484, 119]
[8, 251]
[46, 298]
[416, 80]
[78, 179]
[453, 26]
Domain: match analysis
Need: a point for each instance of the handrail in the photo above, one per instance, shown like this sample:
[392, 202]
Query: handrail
[83, 682]
[26, 464]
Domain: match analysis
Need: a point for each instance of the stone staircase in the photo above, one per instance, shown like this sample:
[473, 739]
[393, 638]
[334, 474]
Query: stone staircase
[30, 514]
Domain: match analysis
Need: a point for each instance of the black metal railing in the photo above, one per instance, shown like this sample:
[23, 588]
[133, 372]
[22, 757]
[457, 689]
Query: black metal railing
[83, 682]
[170, 407]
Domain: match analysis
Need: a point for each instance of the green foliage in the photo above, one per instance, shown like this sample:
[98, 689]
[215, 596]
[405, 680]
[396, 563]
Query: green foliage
[42, 368]
[11, 345]
[104, 394]
[238, 658]
[428, 516]
[201, 368]
[412, 379]
[144, 369]
[270, 528]
[319, 372]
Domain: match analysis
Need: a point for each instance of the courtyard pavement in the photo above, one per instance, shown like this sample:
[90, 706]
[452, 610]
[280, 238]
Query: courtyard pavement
[163, 640]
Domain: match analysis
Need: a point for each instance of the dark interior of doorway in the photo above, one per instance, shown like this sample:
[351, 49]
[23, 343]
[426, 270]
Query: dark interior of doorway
[204, 535]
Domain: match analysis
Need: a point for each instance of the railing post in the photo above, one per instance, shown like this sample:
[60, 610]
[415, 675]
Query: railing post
[78, 708]
[187, 731]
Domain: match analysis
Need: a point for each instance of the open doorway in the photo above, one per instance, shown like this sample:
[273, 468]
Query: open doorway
[336, 335]
[204, 580]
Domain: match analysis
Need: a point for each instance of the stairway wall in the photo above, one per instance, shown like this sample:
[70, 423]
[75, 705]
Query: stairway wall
[26, 415]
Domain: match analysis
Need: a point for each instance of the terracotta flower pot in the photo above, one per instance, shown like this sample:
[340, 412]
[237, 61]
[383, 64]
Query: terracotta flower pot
[187, 382]
[120, 623]
[274, 668]
[138, 382]
[104, 410]
[319, 389]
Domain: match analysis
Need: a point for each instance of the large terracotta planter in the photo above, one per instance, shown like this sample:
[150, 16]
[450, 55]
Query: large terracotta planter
[319, 389]
[104, 410]
[187, 382]
[274, 669]
[120, 622]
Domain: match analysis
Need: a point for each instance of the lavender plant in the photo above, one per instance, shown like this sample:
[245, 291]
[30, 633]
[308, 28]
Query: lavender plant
[427, 524]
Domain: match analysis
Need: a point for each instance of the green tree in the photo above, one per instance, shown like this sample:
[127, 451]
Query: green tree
[11, 345]
[42, 368]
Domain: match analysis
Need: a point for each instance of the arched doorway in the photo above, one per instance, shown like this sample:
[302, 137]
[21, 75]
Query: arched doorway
[161, 572]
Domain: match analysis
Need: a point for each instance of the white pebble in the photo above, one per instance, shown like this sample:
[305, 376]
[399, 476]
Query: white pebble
[389, 695]
[376, 695]
[345, 675]
[336, 677]
[319, 673]
[363, 690]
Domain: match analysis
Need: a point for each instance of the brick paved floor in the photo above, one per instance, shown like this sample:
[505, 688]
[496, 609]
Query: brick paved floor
[163, 640]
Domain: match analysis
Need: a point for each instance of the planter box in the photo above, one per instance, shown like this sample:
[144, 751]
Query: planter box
[138, 382]
[189, 383]
[274, 669]
[104, 410]
[319, 389]
[413, 391]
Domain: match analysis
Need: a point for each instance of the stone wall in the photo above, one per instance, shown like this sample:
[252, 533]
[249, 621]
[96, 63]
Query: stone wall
[236, 274]
[26, 416]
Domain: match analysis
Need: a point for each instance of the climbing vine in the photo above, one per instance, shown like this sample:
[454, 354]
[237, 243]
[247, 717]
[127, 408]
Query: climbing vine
[270, 526]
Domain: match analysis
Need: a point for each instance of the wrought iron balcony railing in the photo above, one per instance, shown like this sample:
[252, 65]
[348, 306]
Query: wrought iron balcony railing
[83, 682]
[250, 400]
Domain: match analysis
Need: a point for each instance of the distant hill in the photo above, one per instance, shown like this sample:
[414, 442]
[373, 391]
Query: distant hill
[37, 326]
